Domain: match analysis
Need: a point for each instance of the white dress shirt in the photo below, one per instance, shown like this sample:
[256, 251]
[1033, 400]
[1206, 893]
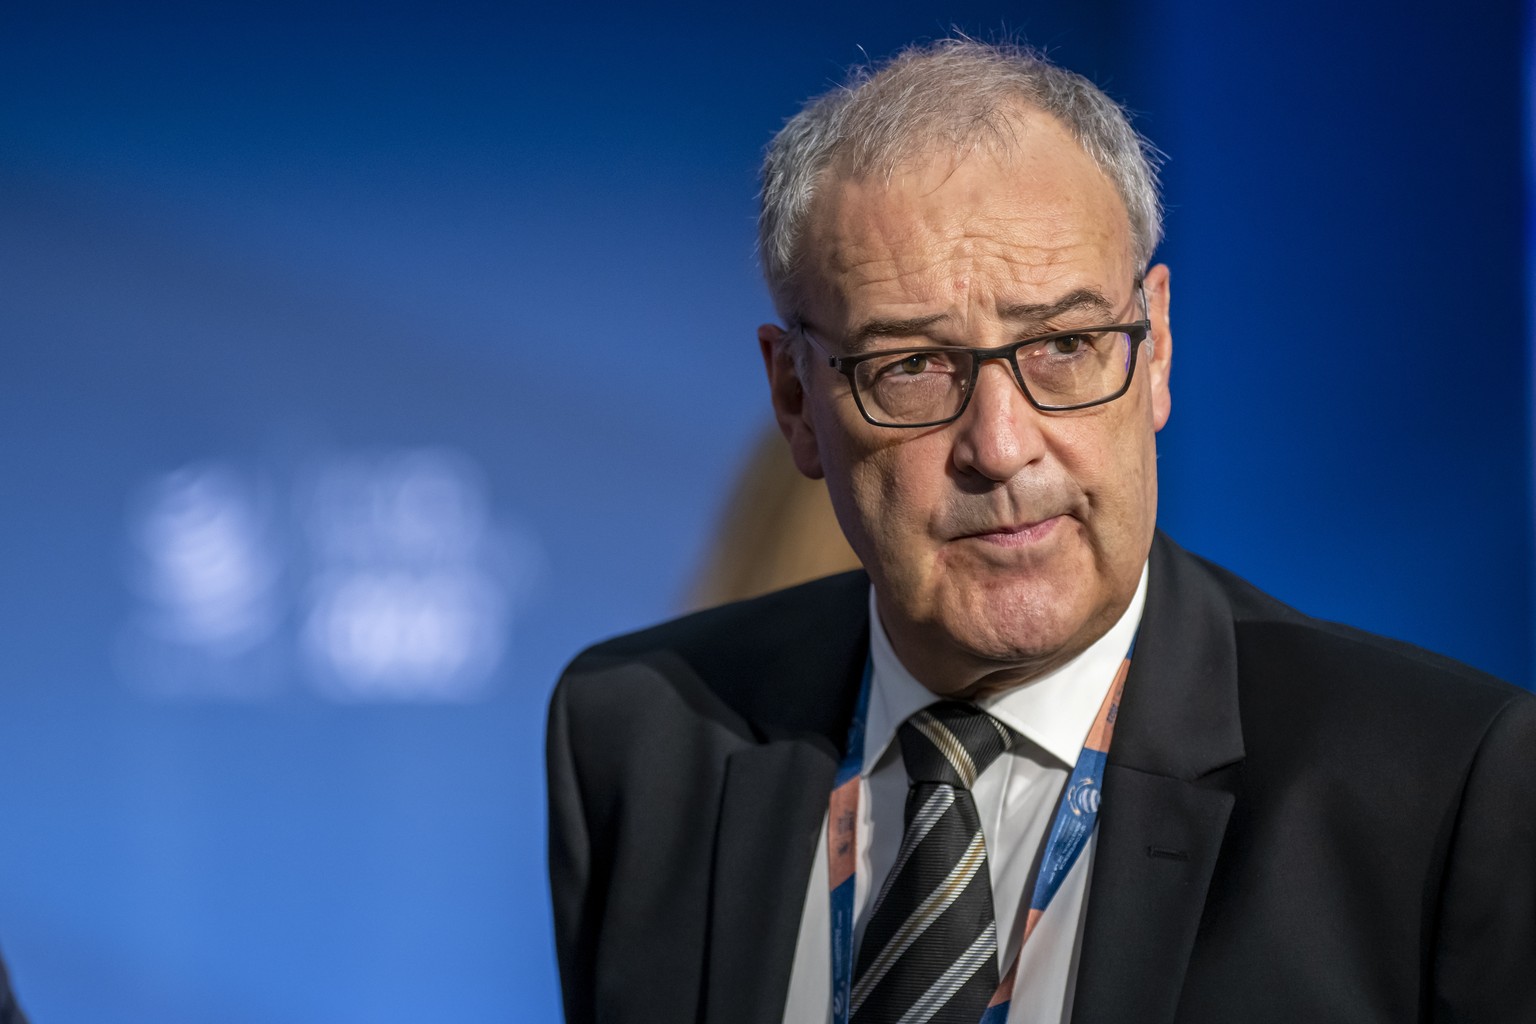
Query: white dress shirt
[1015, 798]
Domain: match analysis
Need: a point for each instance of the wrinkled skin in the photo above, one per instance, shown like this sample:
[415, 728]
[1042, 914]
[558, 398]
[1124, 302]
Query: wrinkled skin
[1003, 544]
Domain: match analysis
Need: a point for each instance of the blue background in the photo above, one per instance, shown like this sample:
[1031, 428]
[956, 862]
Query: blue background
[499, 261]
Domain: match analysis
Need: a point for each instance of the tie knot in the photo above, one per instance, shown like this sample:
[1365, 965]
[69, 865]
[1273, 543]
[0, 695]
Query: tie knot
[951, 743]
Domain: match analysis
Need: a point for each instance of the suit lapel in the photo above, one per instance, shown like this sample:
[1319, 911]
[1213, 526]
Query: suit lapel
[774, 799]
[1167, 798]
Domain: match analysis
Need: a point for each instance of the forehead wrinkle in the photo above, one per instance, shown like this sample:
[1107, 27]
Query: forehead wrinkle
[980, 277]
[913, 246]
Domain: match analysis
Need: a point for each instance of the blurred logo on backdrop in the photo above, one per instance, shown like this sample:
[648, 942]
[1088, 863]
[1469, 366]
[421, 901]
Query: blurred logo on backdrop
[368, 576]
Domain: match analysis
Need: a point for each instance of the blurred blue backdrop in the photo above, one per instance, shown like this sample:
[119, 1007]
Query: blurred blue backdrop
[360, 364]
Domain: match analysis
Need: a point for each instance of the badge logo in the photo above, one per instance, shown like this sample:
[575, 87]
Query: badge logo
[1083, 797]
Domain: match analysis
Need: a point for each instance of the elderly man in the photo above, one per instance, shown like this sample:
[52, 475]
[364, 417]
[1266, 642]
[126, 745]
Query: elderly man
[1039, 764]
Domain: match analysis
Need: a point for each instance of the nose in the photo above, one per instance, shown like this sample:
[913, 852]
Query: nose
[999, 433]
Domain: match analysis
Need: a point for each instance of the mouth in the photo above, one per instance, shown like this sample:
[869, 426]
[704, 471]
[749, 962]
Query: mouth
[1018, 535]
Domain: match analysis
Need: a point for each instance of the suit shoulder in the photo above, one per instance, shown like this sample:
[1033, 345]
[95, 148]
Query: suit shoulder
[1315, 655]
[740, 627]
[766, 658]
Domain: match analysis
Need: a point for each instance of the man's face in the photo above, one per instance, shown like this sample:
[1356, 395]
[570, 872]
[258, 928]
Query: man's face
[1006, 542]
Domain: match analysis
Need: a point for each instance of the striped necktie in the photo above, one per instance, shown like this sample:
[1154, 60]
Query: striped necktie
[929, 952]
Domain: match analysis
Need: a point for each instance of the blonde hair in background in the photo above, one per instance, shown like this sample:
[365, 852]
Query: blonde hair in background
[778, 530]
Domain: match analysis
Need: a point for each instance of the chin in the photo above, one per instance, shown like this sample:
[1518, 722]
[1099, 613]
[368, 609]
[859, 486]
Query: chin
[1021, 646]
[1018, 624]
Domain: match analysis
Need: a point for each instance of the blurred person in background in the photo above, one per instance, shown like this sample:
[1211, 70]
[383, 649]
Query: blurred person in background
[778, 530]
[1035, 763]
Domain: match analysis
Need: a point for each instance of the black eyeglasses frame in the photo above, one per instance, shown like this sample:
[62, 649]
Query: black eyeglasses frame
[1137, 331]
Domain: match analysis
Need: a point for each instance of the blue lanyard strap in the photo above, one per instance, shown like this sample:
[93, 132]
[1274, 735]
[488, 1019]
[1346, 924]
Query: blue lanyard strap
[843, 851]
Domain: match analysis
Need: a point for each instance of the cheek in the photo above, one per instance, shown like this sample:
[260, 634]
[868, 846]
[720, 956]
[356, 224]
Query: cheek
[1123, 488]
[854, 486]
[890, 491]
[1112, 460]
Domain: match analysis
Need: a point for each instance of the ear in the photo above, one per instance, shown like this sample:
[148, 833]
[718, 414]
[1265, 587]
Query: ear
[1161, 363]
[790, 406]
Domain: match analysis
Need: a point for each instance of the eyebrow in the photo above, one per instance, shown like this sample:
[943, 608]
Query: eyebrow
[902, 328]
[1089, 299]
[1083, 299]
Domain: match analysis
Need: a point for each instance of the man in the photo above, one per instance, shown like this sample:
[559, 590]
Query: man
[886, 798]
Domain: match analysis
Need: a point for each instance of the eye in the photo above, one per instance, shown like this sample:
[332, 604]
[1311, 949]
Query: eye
[903, 365]
[1070, 344]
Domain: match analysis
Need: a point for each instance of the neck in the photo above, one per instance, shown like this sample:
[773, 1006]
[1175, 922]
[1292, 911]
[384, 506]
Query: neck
[966, 676]
[953, 670]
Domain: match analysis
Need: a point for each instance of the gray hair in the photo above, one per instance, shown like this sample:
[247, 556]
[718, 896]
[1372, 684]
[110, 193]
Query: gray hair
[958, 93]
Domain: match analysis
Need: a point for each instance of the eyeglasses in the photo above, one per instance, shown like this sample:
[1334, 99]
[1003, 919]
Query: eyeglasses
[931, 385]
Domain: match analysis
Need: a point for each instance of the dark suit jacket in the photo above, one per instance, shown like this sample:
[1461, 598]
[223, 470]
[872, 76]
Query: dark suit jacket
[10, 1011]
[1301, 822]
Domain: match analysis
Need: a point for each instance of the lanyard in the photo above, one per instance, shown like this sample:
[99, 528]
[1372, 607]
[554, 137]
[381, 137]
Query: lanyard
[1076, 815]
[843, 851]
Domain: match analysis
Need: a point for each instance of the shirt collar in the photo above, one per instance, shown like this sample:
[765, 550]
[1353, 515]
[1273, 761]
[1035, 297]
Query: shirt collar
[1055, 711]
